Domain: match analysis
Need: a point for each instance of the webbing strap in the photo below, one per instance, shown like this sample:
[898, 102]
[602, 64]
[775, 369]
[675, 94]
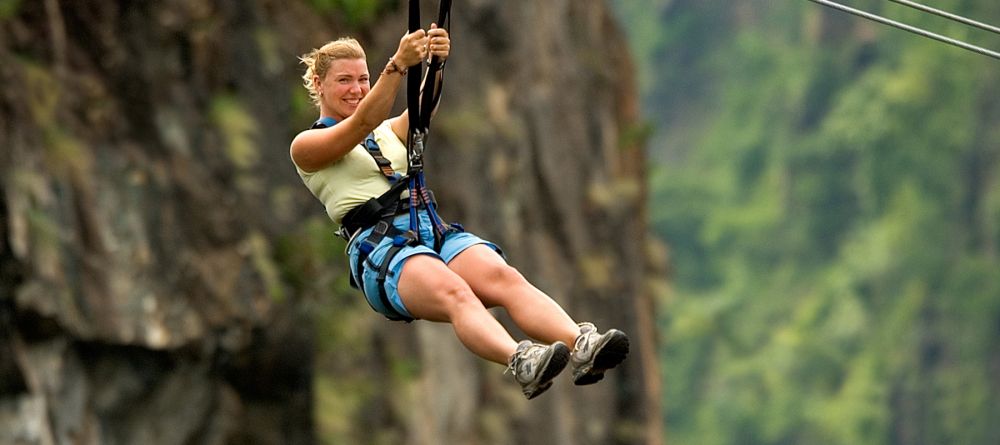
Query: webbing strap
[383, 271]
[413, 75]
[420, 110]
[433, 95]
[384, 164]
[365, 248]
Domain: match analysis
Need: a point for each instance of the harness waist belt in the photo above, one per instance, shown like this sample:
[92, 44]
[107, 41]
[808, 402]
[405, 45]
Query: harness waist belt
[374, 210]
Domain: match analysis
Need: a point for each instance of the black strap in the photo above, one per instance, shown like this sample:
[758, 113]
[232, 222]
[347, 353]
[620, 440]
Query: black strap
[365, 247]
[383, 271]
[421, 109]
[373, 239]
[413, 75]
[432, 93]
[387, 205]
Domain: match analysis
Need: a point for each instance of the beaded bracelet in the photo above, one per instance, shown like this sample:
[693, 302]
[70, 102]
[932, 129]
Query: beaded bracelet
[391, 67]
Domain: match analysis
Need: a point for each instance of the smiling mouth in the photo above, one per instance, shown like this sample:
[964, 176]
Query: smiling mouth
[353, 102]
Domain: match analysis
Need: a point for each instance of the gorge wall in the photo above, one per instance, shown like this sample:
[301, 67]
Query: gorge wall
[165, 278]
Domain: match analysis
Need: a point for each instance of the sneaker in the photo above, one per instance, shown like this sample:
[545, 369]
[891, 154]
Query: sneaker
[534, 365]
[595, 353]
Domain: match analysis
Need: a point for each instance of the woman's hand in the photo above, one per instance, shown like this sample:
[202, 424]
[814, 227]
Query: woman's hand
[439, 43]
[436, 43]
[412, 49]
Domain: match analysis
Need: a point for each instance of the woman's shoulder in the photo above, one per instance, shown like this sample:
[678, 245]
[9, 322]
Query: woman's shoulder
[386, 125]
[385, 132]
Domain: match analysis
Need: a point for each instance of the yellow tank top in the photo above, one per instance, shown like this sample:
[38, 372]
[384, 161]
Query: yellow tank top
[355, 178]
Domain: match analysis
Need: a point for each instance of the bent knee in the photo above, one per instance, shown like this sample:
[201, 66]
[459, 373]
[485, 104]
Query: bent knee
[456, 297]
[502, 275]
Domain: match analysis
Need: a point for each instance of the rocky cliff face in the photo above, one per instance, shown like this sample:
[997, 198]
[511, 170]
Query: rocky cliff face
[165, 278]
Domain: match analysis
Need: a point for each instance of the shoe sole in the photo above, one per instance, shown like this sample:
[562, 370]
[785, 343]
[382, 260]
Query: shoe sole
[611, 354]
[552, 368]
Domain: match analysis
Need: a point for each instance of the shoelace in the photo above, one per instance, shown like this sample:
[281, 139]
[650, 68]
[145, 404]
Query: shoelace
[584, 342]
[521, 356]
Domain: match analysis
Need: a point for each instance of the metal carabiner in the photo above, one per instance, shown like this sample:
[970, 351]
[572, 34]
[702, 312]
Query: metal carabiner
[416, 161]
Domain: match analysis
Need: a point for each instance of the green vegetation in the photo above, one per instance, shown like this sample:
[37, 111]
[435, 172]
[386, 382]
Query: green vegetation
[8, 8]
[356, 13]
[830, 192]
[238, 129]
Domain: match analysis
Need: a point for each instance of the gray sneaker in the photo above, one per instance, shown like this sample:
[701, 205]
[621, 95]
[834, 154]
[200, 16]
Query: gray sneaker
[534, 365]
[595, 353]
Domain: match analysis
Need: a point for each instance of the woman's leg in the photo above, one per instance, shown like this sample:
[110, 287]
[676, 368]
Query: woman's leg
[498, 284]
[431, 291]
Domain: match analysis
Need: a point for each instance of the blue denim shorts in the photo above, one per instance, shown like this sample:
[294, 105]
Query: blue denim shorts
[454, 244]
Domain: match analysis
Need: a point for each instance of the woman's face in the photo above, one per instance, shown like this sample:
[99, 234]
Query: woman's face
[346, 83]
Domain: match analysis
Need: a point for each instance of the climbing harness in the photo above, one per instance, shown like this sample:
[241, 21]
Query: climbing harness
[921, 31]
[379, 213]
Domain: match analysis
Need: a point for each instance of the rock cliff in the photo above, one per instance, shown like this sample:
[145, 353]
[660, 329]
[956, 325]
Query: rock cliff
[165, 278]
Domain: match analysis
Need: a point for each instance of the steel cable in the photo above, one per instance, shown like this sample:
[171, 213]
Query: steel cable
[910, 28]
[948, 15]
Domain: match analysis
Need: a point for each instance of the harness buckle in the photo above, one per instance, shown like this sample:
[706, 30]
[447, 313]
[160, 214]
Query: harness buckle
[381, 227]
[405, 238]
[367, 245]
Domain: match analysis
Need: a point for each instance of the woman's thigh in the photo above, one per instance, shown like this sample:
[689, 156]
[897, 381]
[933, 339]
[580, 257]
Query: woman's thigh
[430, 290]
[487, 274]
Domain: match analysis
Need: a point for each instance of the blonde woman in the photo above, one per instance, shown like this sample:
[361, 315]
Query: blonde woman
[350, 161]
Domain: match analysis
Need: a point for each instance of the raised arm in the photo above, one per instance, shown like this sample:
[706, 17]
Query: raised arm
[360, 108]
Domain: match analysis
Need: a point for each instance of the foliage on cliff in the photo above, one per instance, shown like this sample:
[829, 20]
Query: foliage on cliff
[830, 189]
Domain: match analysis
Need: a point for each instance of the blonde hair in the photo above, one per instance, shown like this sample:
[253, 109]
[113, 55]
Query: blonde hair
[318, 61]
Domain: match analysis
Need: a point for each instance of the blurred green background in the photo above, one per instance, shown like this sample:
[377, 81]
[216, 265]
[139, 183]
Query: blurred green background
[829, 189]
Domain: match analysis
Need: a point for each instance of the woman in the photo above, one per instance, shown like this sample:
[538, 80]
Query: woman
[455, 283]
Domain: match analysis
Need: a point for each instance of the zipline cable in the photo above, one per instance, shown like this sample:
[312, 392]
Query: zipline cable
[948, 15]
[909, 28]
